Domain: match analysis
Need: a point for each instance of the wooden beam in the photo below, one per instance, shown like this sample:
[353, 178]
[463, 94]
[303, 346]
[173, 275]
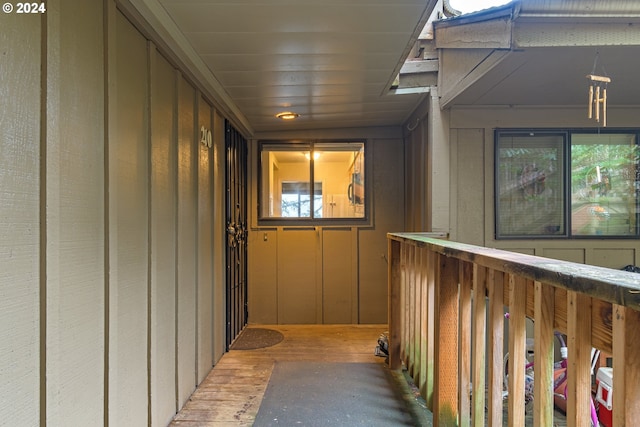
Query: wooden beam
[410, 309]
[579, 361]
[466, 278]
[394, 308]
[479, 348]
[445, 411]
[614, 286]
[595, 78]
[424, 306]
[517, 348]
[431, 328]
[495, 342]
[544, 340]
[417, 332]
[404, 337]
[626, 366]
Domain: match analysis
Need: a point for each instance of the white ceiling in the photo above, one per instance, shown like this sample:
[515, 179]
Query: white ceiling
[331, 61]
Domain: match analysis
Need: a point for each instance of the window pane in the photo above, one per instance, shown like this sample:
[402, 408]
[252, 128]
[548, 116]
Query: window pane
[285, 181]
[287, 170]
[340, 168]
[604, 184]
[530, 185]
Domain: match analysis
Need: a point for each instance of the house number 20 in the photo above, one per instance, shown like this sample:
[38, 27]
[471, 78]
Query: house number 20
[205, 137]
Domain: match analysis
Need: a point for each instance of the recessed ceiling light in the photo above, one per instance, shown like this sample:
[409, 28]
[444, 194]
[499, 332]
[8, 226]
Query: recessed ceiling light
[287, 115]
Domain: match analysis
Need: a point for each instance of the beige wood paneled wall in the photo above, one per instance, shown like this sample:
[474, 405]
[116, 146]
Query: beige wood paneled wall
[74, 255]
[111, 223]
[469, 156]
[219, 237]
[163, 241]
[187, 240]
[204, 296]
[128, 235]
[389, 202]
[472, 141]
[325, 273]
[20, 174]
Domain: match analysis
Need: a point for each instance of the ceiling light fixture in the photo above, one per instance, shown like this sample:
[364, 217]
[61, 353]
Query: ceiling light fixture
[287, 115]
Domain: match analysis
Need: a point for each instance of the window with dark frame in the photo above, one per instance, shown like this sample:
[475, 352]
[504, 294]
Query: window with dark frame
[566, 183]
[287, 169]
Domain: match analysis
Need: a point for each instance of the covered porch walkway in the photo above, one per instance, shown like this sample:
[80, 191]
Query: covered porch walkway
[232, 393]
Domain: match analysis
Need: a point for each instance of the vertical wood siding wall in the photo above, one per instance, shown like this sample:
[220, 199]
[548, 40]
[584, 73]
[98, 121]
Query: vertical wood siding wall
[21, 325]
[111, 286]
[329, 274]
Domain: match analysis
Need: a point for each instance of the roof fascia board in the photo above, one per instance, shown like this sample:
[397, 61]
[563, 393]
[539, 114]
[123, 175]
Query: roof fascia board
[494, 34]
[426, 14]
[530, 32]
[490, 28]
[501, 12]
[450, 90]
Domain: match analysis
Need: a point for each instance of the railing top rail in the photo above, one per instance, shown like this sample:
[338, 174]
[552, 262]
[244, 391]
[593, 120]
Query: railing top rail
[615, 286]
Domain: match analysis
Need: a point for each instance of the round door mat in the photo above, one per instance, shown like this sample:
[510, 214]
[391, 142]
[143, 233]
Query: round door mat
[254, 338]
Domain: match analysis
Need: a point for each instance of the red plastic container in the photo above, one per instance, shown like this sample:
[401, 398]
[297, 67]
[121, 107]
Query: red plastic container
[604, 396]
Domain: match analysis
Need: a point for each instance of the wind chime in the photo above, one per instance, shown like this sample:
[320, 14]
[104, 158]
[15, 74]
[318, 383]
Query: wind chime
[598, 95]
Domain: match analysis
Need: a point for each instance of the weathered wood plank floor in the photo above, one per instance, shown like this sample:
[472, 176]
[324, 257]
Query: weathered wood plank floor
[232, 392]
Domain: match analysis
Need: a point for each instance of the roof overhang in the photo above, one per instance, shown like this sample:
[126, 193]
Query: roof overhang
[514, 55]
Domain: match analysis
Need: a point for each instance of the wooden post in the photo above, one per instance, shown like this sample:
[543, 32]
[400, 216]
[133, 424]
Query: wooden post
[417, 335]
[445, 411]
[479, 328]
[404, 314]
[431, 321]
[410, 309]
[579, 361]
[626, 366]
[517, 348]
[394, 314]
[466, 278]
[544, 340]
[495, 341]
[424, 337]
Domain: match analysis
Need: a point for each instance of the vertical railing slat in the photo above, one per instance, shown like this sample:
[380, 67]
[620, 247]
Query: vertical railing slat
[431, 335]
[479, 331]
[403, 298]
[424, 337]
[411, 309]
[626, 366]
[466, 278]
[579, 360]
[544, 340]
[445, 411]
[495, 337]
[394, 312]
[517, 348]
[417, 331]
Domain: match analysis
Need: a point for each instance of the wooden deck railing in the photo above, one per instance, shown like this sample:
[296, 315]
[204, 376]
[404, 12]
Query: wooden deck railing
[451, 341]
